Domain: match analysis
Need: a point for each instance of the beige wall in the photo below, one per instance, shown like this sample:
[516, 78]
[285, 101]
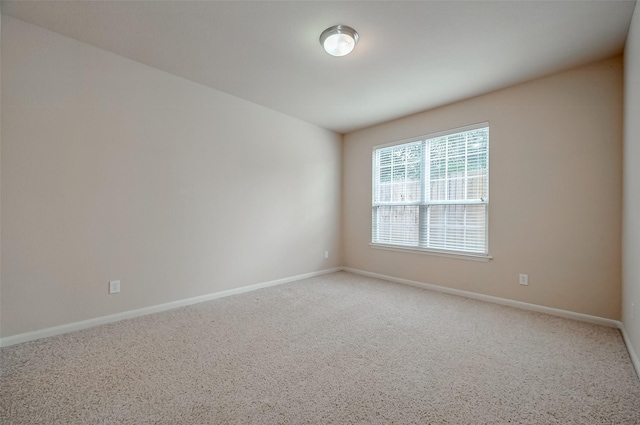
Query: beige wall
[0, 175]
[631, 214]
[114, 170]
[555, 193]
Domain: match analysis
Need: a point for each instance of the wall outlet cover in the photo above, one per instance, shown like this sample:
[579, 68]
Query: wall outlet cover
[114, 286]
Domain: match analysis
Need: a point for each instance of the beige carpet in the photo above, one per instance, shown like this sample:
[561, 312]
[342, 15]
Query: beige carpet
[337, 349]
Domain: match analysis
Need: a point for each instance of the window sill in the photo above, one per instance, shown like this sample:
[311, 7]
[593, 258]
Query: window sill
[458, 255]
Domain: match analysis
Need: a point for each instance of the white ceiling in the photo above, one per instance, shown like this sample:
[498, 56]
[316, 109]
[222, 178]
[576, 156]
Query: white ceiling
[412, 55]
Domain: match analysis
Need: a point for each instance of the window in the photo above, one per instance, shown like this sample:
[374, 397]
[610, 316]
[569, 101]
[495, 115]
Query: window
[433, 194]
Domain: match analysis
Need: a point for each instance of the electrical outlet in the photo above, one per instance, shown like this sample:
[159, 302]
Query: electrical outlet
[114, 286]
[326, 254]
[524, 279]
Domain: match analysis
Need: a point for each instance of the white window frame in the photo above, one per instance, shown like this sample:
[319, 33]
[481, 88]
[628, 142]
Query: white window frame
[425, 203]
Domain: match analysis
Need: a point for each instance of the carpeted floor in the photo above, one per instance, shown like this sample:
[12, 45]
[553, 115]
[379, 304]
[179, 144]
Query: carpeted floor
[336, 349]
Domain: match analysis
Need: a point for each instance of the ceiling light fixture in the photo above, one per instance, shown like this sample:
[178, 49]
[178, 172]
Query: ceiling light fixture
[339, 40]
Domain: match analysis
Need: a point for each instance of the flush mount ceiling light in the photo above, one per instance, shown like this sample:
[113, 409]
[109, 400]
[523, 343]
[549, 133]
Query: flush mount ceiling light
[339, 40]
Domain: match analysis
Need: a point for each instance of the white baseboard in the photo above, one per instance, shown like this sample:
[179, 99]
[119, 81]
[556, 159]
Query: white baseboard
[496, 300]
[517, 304]
[57, 330]
[632, 352]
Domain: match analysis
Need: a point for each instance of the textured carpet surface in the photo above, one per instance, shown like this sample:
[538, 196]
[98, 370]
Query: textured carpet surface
[336, 349]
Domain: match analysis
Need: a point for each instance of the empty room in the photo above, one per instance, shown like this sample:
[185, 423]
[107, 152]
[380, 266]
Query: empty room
[319, 212]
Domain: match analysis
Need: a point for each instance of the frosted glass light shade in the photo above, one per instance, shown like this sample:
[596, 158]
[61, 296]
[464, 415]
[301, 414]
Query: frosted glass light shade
[339, 40]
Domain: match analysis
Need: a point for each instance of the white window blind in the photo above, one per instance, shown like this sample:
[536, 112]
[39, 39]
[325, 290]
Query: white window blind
[433, 193]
